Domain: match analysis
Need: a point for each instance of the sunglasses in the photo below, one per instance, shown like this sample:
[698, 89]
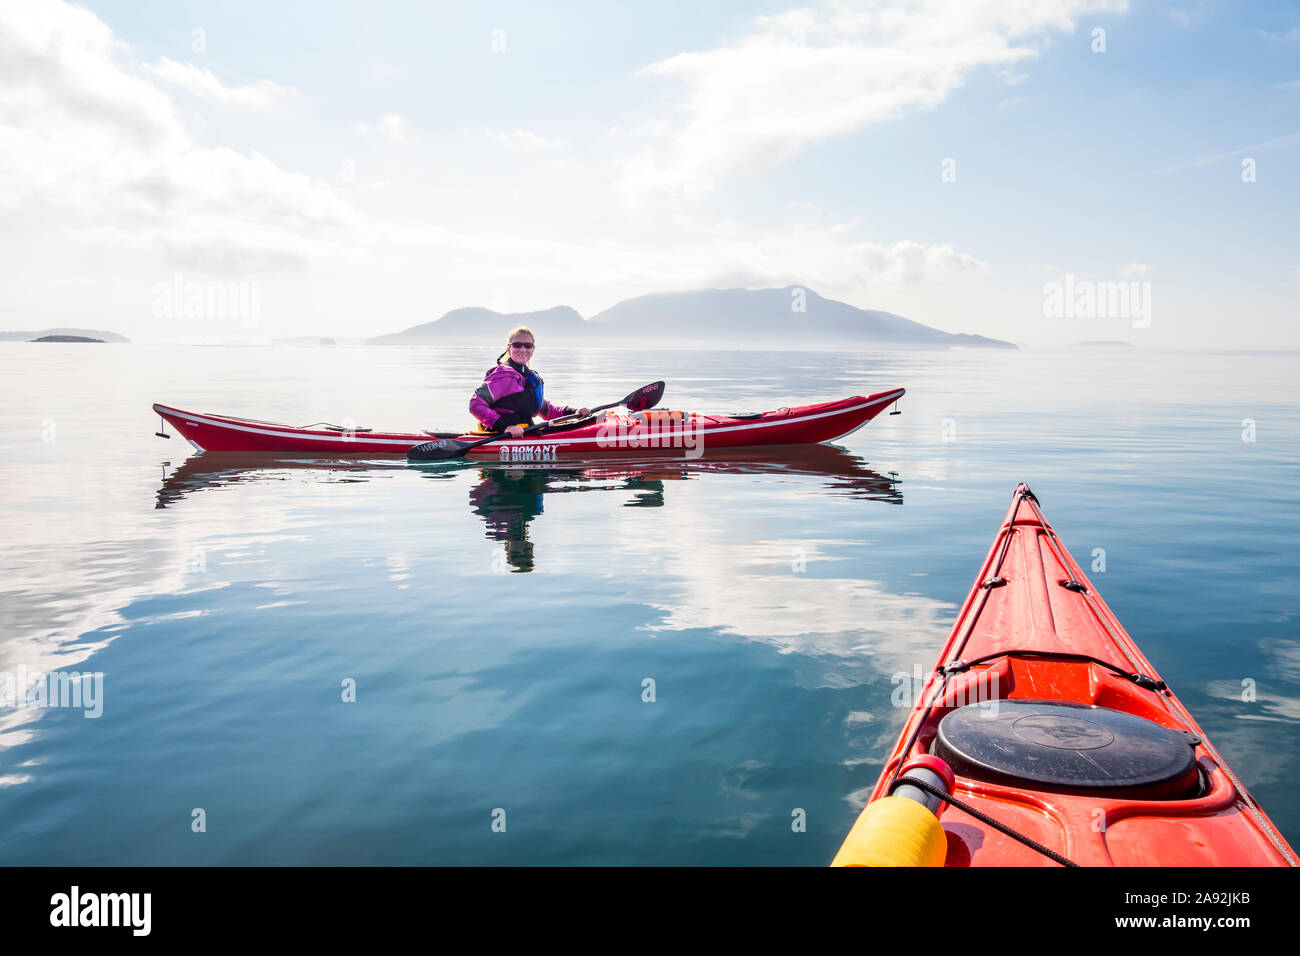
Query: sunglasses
[521, 345]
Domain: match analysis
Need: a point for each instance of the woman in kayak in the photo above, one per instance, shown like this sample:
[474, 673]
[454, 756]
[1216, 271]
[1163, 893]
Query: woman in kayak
[511, 393]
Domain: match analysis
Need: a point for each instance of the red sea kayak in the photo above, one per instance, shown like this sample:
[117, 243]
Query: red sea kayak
[676, 434]
[1042, 716]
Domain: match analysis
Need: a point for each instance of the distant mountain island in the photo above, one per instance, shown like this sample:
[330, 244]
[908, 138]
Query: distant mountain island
[63, 335]
[476, 326]
[791, 317]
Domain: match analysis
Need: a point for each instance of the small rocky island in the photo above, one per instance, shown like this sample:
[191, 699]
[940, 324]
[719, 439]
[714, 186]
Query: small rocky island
[62, 334]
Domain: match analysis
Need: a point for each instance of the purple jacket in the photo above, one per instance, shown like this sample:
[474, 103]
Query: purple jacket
[502, 397]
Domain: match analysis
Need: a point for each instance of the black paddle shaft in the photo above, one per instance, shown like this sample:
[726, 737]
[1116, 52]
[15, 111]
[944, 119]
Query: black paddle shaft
[445, 449]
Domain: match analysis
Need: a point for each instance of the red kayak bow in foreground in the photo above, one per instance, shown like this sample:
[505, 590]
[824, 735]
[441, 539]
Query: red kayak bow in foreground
[1054, 738]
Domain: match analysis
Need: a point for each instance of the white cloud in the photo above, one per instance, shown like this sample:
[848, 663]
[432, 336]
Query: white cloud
[1233, 153]
[826, 261]
[525, 142]
[204, 83]
[395, 127]
[1289, 36]
[1189, 18]
[392, 127]
[59, 76]
[807, 75]
[93, 143]
[1135, 270]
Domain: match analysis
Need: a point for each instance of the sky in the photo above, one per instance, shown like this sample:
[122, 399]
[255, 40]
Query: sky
[241, 171]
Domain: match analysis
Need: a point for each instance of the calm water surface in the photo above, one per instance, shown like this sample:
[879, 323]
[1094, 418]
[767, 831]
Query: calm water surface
[500, 625]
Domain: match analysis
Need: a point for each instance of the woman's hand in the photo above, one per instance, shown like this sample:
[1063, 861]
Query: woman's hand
[584, 412]
[515, 431]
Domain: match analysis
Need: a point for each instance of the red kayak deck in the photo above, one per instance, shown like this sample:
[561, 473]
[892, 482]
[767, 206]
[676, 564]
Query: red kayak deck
[615, 434]
[1034, 629]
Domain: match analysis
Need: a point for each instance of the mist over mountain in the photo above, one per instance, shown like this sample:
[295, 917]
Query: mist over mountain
[793, 317]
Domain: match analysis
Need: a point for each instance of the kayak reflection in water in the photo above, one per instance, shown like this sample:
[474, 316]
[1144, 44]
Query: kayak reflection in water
[841, 473]
[512, 393]
[507, 499]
